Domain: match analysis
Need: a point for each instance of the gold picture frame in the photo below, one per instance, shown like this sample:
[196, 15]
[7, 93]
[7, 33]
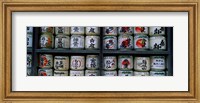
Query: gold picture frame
[190, 6]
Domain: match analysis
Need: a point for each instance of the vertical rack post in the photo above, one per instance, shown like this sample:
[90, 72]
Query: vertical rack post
[169, 33]
[101, 52]
[35, 46]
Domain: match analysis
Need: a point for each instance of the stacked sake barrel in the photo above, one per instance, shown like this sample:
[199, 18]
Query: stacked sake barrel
[125, 42]
[29, 36]
[145, 39]
[65, 65]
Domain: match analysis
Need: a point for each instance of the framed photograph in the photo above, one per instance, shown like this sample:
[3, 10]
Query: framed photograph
[107, 50]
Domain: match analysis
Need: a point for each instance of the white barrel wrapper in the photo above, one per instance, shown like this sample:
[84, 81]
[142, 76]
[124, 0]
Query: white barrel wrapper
[91, 72]
[92, 61]
[110, 63]
[77, 30]
[60, 73]
[62, 30]
[92, 42]
[77, 63]
[45, 72]
[135, 73]
[125, 62]
[61, 62]
[141, 30]
[76, 72]
[142, 64]
[62, 42]
[92, 30]
[157, 43]
[157, 63]
[156, 31]
[125, 73]
[77, 42]
[109, 73]
[110, 42]
[110, 30]
[125, 30]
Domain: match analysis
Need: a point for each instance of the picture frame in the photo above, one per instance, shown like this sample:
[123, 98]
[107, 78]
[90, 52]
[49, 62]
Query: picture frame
[192, 7]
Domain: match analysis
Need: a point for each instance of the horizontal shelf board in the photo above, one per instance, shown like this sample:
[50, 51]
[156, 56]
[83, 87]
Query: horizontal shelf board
[67, 51]
[29, 50]
[134, 52]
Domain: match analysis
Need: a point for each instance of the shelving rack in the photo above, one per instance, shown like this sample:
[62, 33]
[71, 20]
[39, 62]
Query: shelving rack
[35, 51]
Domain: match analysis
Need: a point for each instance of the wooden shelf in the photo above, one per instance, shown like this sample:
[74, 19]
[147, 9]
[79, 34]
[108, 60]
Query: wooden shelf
[71, 51]
[134, 52]
[29, 50]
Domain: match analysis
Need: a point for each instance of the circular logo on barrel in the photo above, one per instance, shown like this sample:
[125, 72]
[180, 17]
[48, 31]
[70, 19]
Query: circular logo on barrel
[93, 63]
[126, 43]
[43, 73]
[125, 63]
[140, 29]
[47, 29]
[109, 30]
[142, 64]
[141, 43]
[109, 44]
[125, 29]
[76, 63]
[44, 61]
[109, 63]
[45, 41]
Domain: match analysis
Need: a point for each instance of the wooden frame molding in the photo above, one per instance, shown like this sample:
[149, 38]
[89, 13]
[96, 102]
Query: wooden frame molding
[9, 6]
